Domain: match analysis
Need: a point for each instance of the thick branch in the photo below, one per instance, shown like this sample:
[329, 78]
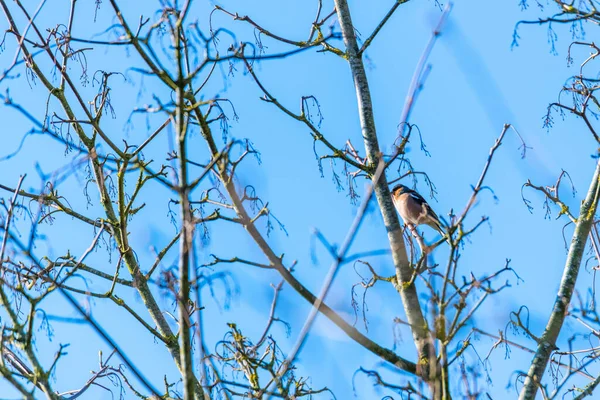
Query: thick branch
[404, 272]
[547, 343]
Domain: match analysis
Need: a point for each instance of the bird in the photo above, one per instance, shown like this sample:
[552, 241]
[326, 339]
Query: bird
[414, 209]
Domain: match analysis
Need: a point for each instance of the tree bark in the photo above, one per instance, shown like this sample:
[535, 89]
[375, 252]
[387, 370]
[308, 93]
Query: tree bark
[547, 343]
[421, 335]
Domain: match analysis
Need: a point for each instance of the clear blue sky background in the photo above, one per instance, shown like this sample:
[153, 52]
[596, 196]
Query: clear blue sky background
[477, 83]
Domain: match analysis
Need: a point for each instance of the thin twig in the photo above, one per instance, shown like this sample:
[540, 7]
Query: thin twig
[8, 219]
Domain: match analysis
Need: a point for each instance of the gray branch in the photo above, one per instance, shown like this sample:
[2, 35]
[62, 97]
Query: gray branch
[547, 343]
[408, 292]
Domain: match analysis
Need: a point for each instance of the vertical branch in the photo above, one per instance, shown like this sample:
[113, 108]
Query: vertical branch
[547, 342]
[187, 226]
[8, 219]
[404, 271]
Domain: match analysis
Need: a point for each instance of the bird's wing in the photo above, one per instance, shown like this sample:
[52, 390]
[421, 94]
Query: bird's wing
[424, 204]
[417, 197]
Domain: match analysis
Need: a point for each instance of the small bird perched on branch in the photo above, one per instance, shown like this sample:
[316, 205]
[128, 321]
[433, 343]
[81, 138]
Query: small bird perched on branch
[414, 209]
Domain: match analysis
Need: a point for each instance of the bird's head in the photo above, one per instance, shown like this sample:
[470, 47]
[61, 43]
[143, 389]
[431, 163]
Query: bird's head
[399, 189]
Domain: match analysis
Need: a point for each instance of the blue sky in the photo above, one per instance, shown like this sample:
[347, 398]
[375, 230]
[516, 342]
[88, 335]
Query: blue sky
[477, 83]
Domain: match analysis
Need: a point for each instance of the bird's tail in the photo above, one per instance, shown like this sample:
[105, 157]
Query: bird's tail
[437, 225]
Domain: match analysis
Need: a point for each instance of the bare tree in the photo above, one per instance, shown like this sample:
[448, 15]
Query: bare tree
[154, 138]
